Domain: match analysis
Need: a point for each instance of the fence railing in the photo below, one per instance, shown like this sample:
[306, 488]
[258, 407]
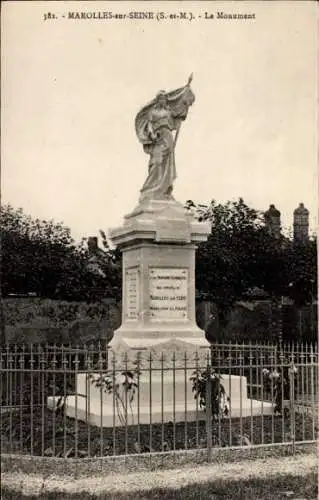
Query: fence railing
[87, 402]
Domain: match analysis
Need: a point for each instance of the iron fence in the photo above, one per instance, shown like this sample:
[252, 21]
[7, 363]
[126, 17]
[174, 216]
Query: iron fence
[87, 402]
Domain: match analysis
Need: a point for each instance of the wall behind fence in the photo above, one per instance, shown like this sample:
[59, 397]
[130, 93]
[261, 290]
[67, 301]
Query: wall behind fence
[258, 321]
[34, 320]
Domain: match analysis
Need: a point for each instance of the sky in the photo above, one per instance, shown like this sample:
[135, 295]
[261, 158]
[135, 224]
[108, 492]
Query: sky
[71, 90]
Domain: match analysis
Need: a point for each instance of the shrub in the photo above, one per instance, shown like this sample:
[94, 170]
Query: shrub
[208, 381]
[280, 385]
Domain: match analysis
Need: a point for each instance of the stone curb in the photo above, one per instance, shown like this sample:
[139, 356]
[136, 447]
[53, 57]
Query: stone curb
[123, 464]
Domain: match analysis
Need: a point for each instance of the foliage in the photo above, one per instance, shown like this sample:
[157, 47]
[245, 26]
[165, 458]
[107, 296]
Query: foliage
[206, 382]
[35, 253]
[122, 386]
[40, 257]
[289, 269]
[241, 254]
[94, 275]
[227, 264]
[301, 268]
[280, 385]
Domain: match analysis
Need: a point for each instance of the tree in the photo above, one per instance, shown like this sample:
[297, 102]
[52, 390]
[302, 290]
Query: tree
[241, 254]
[228, 263]
[41, 257]
[35, 253]
[301, 268]
[98, 274]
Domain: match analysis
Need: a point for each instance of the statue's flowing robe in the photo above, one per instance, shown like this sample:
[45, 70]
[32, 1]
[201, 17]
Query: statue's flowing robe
[152, 120]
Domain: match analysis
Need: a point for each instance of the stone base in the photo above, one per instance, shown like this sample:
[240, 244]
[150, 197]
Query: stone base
[160, 220]
[187, 341]
[170, 400]
[95, 414]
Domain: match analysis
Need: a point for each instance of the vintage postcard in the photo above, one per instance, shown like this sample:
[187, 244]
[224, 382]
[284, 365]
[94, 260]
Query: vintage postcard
[159, 209]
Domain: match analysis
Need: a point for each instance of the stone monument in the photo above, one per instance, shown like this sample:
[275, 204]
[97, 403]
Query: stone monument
[158, 242]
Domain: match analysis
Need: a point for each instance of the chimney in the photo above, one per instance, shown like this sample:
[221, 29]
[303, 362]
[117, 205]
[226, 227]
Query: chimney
[272, 221]
[301, 223]
[92, 244]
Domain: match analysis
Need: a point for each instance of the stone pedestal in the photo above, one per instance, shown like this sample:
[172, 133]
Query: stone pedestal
[158, 242]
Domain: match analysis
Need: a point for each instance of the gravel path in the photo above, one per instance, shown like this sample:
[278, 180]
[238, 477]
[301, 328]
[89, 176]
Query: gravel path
[176, 478]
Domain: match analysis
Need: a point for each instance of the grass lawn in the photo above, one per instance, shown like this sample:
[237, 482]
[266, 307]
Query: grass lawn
[282, 487]
[292, 477]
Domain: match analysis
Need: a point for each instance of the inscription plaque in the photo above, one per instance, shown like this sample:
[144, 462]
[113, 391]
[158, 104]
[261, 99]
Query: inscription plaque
[168, 293]
[132, 293]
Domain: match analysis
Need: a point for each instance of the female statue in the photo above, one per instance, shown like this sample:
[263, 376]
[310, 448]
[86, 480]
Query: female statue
[154, 126]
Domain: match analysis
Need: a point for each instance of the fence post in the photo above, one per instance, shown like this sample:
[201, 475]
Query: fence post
[209, 411]
[312, 389]
[292, 403]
